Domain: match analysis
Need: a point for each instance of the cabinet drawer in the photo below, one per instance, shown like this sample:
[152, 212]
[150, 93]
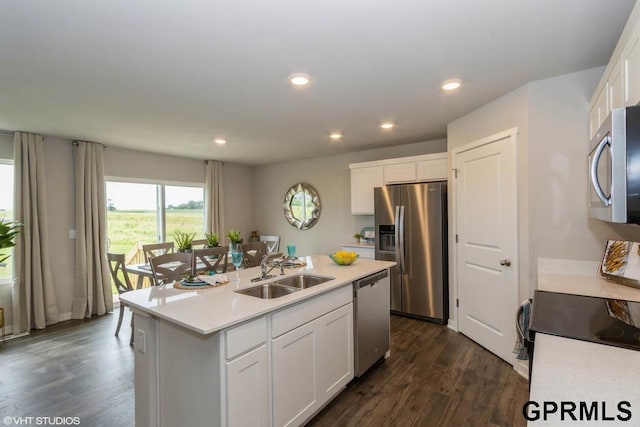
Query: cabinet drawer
[290, 318]
[245, 337]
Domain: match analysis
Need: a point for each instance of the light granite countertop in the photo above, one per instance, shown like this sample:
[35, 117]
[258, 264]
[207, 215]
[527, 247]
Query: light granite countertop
[209, 310]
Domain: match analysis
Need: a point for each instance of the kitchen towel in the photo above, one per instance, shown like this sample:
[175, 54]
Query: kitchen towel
[522, 329]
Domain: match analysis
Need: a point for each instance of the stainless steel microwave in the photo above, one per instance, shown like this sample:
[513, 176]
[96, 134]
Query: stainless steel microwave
[614, 168]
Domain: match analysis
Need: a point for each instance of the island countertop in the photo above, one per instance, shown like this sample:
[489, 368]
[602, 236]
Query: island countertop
[208, 310]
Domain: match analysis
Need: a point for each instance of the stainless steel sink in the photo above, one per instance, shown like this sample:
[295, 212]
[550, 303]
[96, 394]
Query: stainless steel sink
[268, 291]
[302, 281]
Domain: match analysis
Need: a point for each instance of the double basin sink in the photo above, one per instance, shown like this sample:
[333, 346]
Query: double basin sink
[284, 286]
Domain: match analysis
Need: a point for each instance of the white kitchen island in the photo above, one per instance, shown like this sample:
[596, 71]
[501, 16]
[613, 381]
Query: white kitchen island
[216, 357]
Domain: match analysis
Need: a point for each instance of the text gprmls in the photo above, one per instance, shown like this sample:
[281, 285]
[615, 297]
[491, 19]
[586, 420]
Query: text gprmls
[576, 411]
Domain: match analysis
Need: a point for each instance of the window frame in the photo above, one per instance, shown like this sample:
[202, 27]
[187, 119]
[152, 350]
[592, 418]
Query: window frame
[10, 280]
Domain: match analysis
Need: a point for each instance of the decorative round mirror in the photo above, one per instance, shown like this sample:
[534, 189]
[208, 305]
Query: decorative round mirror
[302, 206]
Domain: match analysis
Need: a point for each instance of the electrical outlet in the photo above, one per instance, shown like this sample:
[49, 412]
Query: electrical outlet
[140, 341]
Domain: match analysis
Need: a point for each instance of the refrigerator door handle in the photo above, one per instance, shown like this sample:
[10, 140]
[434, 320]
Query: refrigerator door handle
[400, 244]
[396, 221]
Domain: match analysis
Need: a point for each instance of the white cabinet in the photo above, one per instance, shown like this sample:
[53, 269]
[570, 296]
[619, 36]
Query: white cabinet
[616, 85]
[368, 175]
[399, 173]
[246, 386]
[363, 181]
[247, 391]
[632, 70]
[599, 111]
[312, 355]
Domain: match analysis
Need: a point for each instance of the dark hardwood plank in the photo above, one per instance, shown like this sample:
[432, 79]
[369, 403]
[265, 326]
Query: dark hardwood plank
[435, 377]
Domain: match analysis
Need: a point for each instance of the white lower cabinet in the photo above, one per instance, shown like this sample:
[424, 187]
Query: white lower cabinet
[295, 369]
[248, 389]
[335, 352]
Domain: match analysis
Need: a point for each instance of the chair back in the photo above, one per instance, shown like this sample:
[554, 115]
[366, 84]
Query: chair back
[210, 259]
[273, 243]
[169, 267]
[116, 266]
[253, 253]
[155, 249]
[199, 244]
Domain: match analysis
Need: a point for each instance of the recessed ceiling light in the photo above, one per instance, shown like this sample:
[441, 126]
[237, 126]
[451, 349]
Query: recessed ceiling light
[299, 79]
[452, 84]
[335, 136]
[387, 125]
[220, 141]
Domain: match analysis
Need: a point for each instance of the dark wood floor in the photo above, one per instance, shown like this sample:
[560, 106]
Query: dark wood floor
[435, 377]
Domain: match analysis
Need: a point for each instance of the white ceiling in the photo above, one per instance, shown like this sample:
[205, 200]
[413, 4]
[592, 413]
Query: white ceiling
[168, 76]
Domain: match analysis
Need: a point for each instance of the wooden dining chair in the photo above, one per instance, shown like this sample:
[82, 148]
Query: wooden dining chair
[210, 259]
[273, 243]
[117, 269]
[199, 244]
[253, 253]
[169, 267]
[154, 249]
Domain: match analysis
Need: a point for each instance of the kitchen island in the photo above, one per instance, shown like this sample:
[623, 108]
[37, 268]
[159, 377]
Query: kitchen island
[217, 357]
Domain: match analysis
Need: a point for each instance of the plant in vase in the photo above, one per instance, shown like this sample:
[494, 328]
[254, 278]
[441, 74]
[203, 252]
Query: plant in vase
[234, 239]
[212, 240]
[183, 241]
[358, 236]
[8, 232]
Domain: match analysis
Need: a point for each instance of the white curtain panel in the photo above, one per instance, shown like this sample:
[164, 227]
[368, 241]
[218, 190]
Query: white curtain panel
[92, 288]
[214, 197]
[34, 298]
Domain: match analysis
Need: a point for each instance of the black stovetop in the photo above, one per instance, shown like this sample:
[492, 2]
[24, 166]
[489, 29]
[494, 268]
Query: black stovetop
[599, 320]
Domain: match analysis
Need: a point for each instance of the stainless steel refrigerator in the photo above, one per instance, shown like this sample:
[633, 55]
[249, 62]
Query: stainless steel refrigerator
[411, 229]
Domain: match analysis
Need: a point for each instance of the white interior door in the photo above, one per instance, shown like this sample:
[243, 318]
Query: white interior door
[486, 252]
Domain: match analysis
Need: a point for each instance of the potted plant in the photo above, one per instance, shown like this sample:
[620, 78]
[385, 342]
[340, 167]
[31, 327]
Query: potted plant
[8, 231]
[234, 239]
[183, 241]
[212, 240]
[358, 236]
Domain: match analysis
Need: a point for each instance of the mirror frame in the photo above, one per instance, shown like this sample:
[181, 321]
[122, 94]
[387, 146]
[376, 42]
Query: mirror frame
[309, 191]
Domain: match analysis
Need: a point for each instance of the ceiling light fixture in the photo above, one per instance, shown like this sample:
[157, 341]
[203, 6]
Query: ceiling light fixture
[452, 84]
[335, 136]
[220, 141]
[299, 79]
[387, 125]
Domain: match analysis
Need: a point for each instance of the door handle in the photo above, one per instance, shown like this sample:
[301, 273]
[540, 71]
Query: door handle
[505, 262]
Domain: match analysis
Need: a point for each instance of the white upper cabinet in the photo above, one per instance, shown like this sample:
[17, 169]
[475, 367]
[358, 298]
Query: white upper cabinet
[599, 111]
[363, 181]
[632, 70]
[369, 175]
[616, 86]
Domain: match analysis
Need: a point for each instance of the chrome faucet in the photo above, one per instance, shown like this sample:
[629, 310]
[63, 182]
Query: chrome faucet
[264, 273]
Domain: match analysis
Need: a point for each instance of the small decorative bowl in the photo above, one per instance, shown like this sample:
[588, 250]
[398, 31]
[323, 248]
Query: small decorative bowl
[343, 260]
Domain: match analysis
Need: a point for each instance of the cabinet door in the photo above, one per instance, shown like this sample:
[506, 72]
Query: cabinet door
[602, 104]
[363, 181]
[248, 389]
[363, 252]
[335, 352]
[433, 170]
[295, 371]
[401, 172]
[632, 71]
[616, 86]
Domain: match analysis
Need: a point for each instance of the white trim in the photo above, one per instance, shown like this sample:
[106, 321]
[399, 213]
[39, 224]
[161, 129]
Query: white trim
[510, 133]
[6, 161]
[522, 368]
[410, 159]
[453, 325]
[152, 181]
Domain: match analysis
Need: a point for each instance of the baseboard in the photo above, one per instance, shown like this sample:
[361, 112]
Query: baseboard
[451, 324]
[522, 368]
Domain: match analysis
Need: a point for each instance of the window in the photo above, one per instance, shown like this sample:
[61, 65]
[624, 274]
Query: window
[140, 213]
[6, 209]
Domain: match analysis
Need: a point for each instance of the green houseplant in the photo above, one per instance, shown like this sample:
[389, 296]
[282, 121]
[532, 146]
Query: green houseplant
[234, 238]
[212, 240]
[8, 231]
[183, 241]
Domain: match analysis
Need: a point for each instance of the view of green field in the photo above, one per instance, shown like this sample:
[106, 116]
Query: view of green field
[7, 271]
[126, 228]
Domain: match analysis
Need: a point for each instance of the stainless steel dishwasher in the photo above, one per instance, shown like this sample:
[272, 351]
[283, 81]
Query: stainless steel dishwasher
[371, 319]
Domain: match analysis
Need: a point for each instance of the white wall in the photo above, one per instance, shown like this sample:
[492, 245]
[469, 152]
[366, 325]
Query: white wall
[331, 178]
